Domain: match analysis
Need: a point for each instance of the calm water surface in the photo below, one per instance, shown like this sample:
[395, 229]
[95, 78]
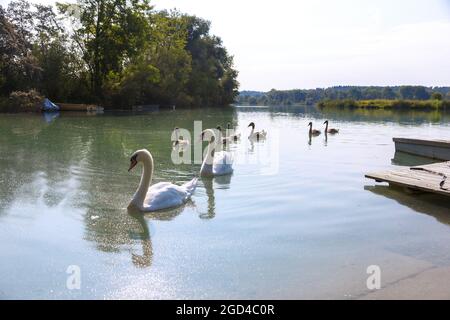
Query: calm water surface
[297, 219]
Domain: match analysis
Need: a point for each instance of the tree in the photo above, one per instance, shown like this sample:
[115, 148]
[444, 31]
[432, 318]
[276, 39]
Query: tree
[166, 51]
[20, 15]
[407, 92]
[213, 78]
[18, 68]
[436, 96]
[54, 55]
[371, 93]
[421, 93]
[159, 73]
[355, 93]
[388, 93]
[109, 33]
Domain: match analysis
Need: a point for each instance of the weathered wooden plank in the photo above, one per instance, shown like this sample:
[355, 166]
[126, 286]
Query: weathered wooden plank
[406, 184]
[427, 180]
[77, 107]
[432, 185]
[411, 179]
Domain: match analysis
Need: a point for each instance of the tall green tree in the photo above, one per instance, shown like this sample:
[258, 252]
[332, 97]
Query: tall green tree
[19, 13]
[166, 52]
[18, 67]
[436, 96]
[51, 48]
[213, 79]
[108, 33]
[388, 93]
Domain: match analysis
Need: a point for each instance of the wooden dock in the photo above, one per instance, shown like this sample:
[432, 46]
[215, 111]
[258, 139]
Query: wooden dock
[428, 178]
[435, 149]
[146, 108]
[79, 107]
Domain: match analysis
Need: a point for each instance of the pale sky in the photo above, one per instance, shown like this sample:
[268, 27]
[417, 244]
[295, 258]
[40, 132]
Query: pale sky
[288, 44]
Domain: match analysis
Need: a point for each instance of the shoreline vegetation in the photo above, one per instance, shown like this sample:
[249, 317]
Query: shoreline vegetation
[351, 96]
[111, 53]
[420, 105]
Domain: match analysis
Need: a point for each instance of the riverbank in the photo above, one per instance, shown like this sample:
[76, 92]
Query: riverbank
[386, 104]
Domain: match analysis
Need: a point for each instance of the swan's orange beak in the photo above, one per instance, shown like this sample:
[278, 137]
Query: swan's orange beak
[133, 163]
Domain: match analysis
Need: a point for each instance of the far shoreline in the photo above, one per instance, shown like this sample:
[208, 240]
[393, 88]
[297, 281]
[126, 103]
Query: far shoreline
[391, 104]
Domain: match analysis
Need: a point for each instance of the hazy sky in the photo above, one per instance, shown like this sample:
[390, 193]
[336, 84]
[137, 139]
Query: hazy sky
[287, 44]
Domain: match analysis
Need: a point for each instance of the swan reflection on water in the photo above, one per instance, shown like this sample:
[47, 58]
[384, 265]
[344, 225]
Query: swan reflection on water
[145, 259]
[325, 140]
[222, 182]
[254, 142]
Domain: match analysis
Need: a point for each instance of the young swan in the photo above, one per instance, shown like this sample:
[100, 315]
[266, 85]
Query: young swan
[232, 135]
[313, 132]
[331, 130]
[258, 135]
[179, 142]
[225, 140]
[161, 195]
[215, 163]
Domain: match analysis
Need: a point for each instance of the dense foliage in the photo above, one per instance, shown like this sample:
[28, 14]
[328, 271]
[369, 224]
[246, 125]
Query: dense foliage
[311, 96]
[117, 53]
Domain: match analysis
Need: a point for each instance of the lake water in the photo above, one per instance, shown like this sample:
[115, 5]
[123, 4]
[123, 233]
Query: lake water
[297, 219]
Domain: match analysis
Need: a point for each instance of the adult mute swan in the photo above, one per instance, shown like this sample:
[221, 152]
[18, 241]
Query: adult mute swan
[331, 130]
[313, 132]
[161, 195]
[256, 135]
[215, 163]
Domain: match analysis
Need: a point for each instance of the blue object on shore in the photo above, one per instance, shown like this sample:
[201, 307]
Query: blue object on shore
[49, 106]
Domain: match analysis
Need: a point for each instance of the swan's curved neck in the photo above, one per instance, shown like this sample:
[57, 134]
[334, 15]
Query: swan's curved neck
[206, 168]
[310, 129]
[146, 179]
[326, 126]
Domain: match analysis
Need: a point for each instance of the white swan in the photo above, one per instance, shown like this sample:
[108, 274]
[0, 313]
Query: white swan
[161, 195]
[215, 163]
[179, 142]
[259, 135]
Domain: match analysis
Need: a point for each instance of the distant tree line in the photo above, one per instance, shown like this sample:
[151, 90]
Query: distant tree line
[312, 96]
[116, 53]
